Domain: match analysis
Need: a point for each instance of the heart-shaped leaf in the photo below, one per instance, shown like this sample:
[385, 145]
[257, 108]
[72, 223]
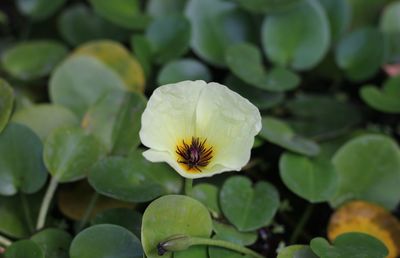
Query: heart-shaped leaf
[54, 242]
[169, 37]
[183, 69]
[369, 169]
[33, 59]
[308, 40]
[21, 161]
[245, 61]
[115, 120]
[172, 215]
[6, 103]
[349, 245]
[117, 58]
[279, 132]
[24, 249]
[248, 207]
[44, 118]
[103, 241]
[229, 25]
[80, 81]
[69, 153]
[134, 178]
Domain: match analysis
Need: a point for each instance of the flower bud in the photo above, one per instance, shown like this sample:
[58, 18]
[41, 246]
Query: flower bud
[174, 243]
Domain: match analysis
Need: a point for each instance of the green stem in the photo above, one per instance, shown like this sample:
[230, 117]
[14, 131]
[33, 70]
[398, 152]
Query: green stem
[300, 225]
[44, 208]
[5, 241]
[224, 244]
[27, 213]
[188, 186]
[88, 211]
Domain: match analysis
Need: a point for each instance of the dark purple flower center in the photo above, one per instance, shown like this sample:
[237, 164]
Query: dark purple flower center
[195, 155]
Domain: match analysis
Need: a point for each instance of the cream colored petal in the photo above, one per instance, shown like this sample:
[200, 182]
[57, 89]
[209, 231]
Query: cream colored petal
[170, 114]
[229, 122]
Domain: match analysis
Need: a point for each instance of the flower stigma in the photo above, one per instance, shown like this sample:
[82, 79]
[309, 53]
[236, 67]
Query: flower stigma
[194, 155]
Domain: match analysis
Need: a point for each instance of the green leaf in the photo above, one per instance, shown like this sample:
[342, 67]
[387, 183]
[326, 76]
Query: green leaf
[216, 24]
[261, 98]
[6, 103]
[182, 70]
[208, 194]
[308, 40]
[360, 53]
[44, 118]
[159, 8]
[33, 59]
[104, 241]
[193, 252]
[245, 61]
[248, 207]
[220, 252]
[53, 242]
[349, 245]
[80, 81]
[169, 37]
[69, 153]
[143, 51]
[79, 24]
[24, 249]
[115, 120]
[171, 215]
[21, 161]
[124, 13]
[126, 218]
[296, 251]
[385, 100]
[39, 9]
[369, 169]
[13, 220]
[339, 15]
[279, 133]
[231, 234]
[267, 6]
[389, 25]
[134, 178]
[313, 179]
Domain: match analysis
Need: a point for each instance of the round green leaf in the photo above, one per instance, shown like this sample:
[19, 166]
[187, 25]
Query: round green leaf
[349, 245]
[369, 169]
[39, 9]
[169, 37]
[80, 81]
[124, 13]
[231, 234]
[216, 24]
[245, 61]
[193, 252]
[171, 215]
[307, 42]
[248, 207]
[44, 118]
[33, 59]
[21, 161]
[6, 103]
[266, 6]
[278, 132]
[261, 98]
[115, 120]
[207, 194]
[360, 54]
[385, 100]
[24, 249]
[104, 241]
[79, 24]
[182, 70]
[314, 179]
[13, 220]
[159, 8]
[53, 242]
[126, 218]
[69, 153]
[339, 15]
[134, 178]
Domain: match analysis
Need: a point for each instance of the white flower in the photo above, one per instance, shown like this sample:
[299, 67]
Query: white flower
[199, 129]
